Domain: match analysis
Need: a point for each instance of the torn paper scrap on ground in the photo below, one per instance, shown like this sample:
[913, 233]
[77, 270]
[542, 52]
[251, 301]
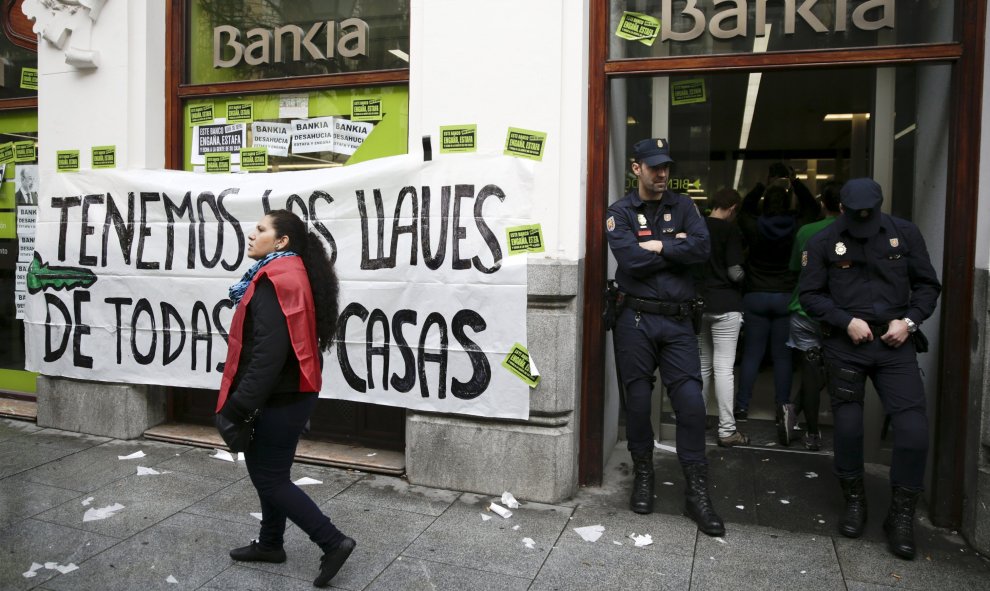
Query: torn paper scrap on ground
[171, 579]
[68, 568]
[133, 456]
[515, 528]
[372, 455]
[811, 475]
[740, 507]
[143, 471]
[223, 455]
[307, 480]
[664, 447]
[529, 543]
[33, 571]
[590, 533]
[495, 507]
[785, 501]
[643, 540]
[256, 516]
[485, 517]
[509, 500]
[102, 512]
[87, 501]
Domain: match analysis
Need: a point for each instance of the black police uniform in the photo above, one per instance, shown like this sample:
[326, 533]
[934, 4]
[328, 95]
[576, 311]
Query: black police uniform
[654, 327]
[884, 277]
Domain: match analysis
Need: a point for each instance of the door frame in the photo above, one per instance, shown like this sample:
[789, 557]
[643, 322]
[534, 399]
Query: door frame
[966, 58]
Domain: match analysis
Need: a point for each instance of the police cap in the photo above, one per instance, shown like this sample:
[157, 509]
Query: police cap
[652, 152]
[861, 199]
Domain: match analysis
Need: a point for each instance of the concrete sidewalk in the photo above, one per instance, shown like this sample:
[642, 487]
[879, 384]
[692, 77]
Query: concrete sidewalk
[175, 527]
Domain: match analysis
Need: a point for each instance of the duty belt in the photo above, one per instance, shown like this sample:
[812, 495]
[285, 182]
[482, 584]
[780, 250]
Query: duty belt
[658, 307]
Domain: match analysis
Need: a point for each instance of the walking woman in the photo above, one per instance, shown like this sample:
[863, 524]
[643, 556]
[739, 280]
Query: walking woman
[286, 316]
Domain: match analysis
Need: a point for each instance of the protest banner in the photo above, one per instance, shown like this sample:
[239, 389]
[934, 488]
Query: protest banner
[130, 271]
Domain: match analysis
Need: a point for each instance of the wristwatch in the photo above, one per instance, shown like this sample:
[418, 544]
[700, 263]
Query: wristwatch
[910, 323]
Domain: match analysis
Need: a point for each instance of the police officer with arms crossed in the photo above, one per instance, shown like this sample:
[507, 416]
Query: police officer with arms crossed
[869, 280]
[655, 236]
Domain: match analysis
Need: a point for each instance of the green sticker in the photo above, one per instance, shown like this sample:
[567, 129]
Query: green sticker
[365, 109]
[525, 143]
[67, 160]
[218, 162]
[104, 156]
[517, 361]
[686, 92]
[8, 227]
[6, 152]
[525, 239]
[458, 138]
[29, 78]
[25, 151]
[636, 26]
[254, 159]
[240, 112]
[200, 114]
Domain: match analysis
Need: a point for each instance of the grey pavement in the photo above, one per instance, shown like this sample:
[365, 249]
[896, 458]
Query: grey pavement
[172, 529]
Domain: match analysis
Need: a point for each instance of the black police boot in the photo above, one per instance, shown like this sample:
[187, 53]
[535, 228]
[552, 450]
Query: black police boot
[854, 519]
[697, 504]
[641, 500]
[899, 524]
[255, 552]
[332, 560]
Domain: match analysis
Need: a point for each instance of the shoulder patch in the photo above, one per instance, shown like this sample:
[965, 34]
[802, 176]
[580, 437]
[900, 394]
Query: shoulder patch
[610, 223]
[804, 258]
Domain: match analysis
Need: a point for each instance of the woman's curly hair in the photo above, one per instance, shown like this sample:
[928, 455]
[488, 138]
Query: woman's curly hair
[322, 278]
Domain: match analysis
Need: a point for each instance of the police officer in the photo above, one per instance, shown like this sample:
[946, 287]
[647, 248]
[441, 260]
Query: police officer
[870, 282]
[655, 236]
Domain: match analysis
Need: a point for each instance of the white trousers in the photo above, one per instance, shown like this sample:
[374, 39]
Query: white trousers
[717, 342]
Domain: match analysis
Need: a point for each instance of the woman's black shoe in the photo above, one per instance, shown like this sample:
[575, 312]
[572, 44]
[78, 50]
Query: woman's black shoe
[332, 561]
[255, 553]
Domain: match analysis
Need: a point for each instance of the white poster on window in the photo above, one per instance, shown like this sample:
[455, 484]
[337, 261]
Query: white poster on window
[312, 135]
[349, 135]
[131, 276]
[218, 138]
[274, 136]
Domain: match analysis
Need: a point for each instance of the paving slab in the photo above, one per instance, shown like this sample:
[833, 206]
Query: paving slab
[190, 548]
[947, 566]
[31, 541]
[197, 460]
[754, 557]
[461, 537]
[12, 428]
[65, 439]
[97, 466]
[671, 534]
[146, 500]
[20, 499]
[381, 535]
[413, 574]
[240, 578]
[18, 455]
[396, 493]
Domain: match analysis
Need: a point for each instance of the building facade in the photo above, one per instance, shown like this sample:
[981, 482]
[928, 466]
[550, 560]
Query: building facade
[843, 89]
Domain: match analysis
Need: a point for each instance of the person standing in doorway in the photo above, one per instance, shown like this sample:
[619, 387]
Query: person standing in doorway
[286, 316]
[656, 236]
[870, 282]
[806, 333]
[720, 286]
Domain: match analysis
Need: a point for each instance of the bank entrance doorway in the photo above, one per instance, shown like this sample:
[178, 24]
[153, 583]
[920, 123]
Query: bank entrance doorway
[736, 130]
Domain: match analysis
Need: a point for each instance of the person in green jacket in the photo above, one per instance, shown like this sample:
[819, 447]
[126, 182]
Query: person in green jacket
[805, 333]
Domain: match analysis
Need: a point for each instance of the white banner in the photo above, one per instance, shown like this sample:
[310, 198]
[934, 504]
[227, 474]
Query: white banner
[130, 276]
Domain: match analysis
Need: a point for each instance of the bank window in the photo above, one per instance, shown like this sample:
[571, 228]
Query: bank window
[274, 85]
[18, 211]
[668, 28]
[291, 131]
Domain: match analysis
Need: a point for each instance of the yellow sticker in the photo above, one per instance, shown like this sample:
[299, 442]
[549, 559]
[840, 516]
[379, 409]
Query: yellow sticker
[518, 362]
[526, 238]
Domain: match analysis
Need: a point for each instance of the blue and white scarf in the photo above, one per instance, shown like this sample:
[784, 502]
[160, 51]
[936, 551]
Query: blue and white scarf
[237, 290]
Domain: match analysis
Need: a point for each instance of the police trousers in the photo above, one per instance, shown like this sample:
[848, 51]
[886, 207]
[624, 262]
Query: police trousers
[646, 342]
[897, 379]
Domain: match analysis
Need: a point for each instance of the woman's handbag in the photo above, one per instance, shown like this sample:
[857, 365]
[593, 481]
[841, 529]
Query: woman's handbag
[237, 435]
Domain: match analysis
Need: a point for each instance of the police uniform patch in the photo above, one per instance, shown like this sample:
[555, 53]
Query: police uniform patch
[840, 248]
[660, 144]
[667, 217]
[804, 258]
[641, 219]
[610, 223]
[894, 242]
